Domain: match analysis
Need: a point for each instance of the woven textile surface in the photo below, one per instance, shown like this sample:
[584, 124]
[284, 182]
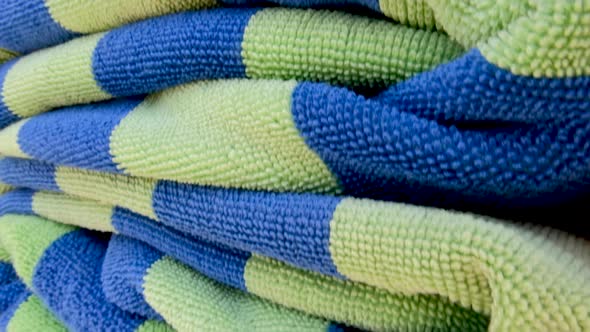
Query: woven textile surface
[290, 165]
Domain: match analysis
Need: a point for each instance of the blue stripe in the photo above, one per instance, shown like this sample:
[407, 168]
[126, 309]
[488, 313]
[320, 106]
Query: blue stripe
[16, 300]
[27, 25]
[17, 202]
[28, 173]
[7, 274]
[10, 292]
[67, 279]
[75, 136]
[471, 89]
[289, 227]
[158, 53]
[378, 151]
[332, 4]
[11, 288]
[6, 116]
[124, 267]
[215, 261]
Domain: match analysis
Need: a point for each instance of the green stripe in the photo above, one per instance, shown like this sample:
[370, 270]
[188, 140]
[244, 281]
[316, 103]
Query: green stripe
[339, 48]
[413, 13]
[26, 238]
[540, 39]
[87, 16]
[188, 300]
[547, 39]
[53, 77]
[32, 315]
[494, 267]
[4, 255]
[154, 326]
[73, 211]
[112, 189]
[9, 145]
[228, 133]
[381, 244]
[355, 303]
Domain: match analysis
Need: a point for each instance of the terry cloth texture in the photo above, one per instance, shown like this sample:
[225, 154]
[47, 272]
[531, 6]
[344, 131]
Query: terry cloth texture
[285, 165]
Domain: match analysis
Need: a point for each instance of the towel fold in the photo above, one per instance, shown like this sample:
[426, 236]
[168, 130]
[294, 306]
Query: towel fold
[288, 165]
[228, 235]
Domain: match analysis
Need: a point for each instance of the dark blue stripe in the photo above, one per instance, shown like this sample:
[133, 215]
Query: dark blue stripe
[76, 136]
[289, 227]
[158, 53]
[6, 116]
[67, 279]
[18, 201]
[26, 26]
[124, 268]
[218, 262]
[28, 173]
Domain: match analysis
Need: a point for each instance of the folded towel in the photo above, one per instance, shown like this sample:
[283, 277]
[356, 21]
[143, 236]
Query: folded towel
[153, 278]
[312, 137]
[554, 47]
[219, 43]
[290, 165]
[359, 240]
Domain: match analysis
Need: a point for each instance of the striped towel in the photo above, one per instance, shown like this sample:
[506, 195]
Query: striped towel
[285, 165]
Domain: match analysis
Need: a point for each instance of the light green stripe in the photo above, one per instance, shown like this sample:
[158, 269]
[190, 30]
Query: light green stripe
[551, 40]
[9, 145]
[87, 16]
[355, 303]
[516, 275]
[154, 326]
[540, 39]
[6, 55]
[74, 211]
[188, 300]
[26, 238]
[53, 77]
[32, 315]
[413, 13]
[4, 255]
[339, 48]
[130, 192]
[232, 133]
[467, 22]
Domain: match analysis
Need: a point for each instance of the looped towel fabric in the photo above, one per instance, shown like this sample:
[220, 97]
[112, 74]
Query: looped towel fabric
[287, 165]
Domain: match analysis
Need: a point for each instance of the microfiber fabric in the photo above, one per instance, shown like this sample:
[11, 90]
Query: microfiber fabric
[66, 266]
[404, 144]
[396, 248]
[294, 165]
[452, 238]
[242, 271]
[499, 28]
[283, 43]
[222, 43]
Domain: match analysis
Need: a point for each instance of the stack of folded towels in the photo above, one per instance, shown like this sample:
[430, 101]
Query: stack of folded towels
[312, 165]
